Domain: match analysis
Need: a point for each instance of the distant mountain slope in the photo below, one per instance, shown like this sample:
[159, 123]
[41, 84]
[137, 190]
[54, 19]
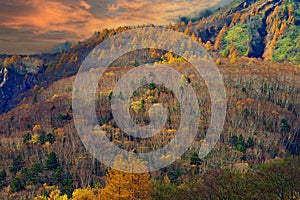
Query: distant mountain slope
[260, 29]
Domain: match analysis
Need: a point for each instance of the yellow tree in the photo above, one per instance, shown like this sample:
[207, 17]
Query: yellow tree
[283, 27]
[127, 186]
[291, 10]
[233, 57]
[234, 53]
[244, 17]
[54, 195]
[208, 46]
[57, 195]
[84, 194]
[291, 18]
[187, 31]
[219, 38]
[7, 62]
[235, 19]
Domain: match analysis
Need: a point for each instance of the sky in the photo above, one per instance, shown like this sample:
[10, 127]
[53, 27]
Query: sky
[37, 26]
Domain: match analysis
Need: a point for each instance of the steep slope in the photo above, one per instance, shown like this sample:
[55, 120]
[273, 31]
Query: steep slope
[260, 29]
[262, 124]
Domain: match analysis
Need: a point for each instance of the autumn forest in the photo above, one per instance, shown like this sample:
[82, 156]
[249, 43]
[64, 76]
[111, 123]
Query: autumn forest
[255, 44]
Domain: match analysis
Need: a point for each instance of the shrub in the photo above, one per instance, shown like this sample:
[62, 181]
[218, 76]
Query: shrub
[16, 185]
[52, 161]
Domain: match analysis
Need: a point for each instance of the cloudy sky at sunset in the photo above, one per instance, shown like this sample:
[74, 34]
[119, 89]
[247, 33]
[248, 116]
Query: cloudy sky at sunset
[35, 26]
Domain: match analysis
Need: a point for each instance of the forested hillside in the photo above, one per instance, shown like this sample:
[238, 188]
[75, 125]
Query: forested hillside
[262, 124]
[255, 44]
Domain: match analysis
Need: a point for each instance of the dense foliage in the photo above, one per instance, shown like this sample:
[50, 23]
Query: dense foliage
[43, 157]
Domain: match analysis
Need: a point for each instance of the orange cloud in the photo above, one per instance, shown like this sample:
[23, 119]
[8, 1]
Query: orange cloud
[51, 15]
[85, 5]
[58, 21]
[123, 4]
